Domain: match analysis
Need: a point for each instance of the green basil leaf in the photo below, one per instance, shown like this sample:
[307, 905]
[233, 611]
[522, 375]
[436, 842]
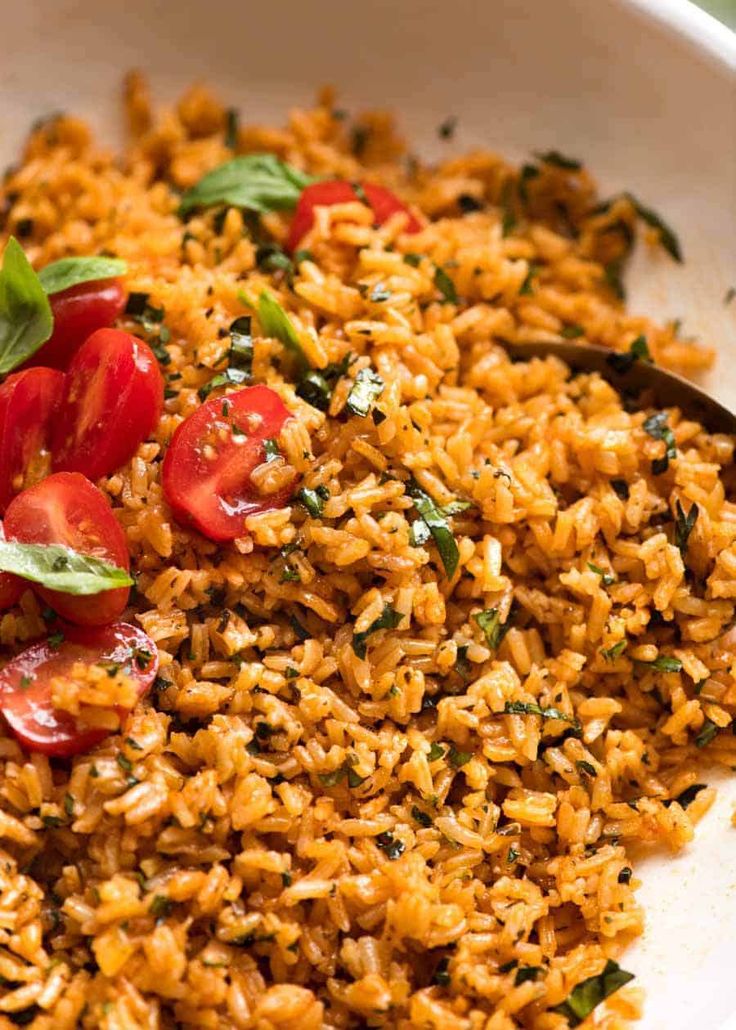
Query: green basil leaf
[61, 568]
[258, 182]
[438, 526]
[445, 285]
[71, 271]
[365, 391]
[684, 525]
[530, 708]
[493, 629]
[277, 324]
[588, 994]
[26, 320]
[667, 236]
[388, 619]
[664, 663]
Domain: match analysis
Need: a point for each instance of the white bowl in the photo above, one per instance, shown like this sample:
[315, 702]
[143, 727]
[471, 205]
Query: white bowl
[644, 90]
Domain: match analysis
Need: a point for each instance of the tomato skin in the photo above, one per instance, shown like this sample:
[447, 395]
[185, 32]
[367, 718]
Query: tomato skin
[67, 509]
[113, 397]
[28, 709]
[78, 312]
[213, 492]
[382, 201]
[29, 401]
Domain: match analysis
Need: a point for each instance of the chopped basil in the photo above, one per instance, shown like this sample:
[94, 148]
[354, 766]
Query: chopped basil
[468, 203]
[664, 663]
[316, 387]
[414, 260]
[271, 449]
[71, 271]
[419, 533]
[614, 652]
[445, 285]
[313, 500]
[60, 568]
[686, 798]
[558, 160]
[607, 578]
[436, 751]
[441, 975]
[656, 427]
[438, 526]
[526, 287]
[232, 123]
[667, 236]
[707, 733]
[588, 994]
[638, 351]
[513, 855]
[446, 129]
[421, 817]
[621, 488]
[527, 173]
[331, 779]
[524, 973]
[379, 294]
[458, 759]
[161, 906]
[354, 779]
[613, 277]
[271, 258]
[571, 332]
[391, 846]
[365, 391]
[26, 320]
[277, 324]
[239, 359]
[625, 874]
[684, 525]
[388, 619]
[257, 182]
[456, 507]
[532, 708]
[493, 629]
[585, 767]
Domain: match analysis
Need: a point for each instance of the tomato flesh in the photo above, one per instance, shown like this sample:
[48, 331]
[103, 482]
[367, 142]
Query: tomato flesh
[67, 509]
[28, 403]
[25, 684]
[382, 202]
[206, 470]
[78, 312]
[112, 400]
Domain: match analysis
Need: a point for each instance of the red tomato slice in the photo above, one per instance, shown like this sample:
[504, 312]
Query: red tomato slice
[11, 587]
[78, 312]
[28, 403]
[206, 472]
[67, 509]
[25, 684]
[383, 203]
[112, 401]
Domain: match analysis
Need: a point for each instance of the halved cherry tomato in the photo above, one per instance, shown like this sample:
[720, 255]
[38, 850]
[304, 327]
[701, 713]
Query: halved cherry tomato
[28, 403]
[113, 397]
[78, 312]
[383, 203]
[25, 684]
[67, 509]
[11, 587]
[206, 471]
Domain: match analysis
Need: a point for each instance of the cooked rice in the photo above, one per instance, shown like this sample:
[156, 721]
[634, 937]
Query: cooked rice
[272, 840]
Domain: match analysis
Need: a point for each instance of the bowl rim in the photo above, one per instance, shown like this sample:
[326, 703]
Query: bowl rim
[703, 32]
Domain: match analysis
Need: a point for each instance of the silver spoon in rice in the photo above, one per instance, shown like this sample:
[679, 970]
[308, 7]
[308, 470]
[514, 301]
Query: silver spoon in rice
[630, 375]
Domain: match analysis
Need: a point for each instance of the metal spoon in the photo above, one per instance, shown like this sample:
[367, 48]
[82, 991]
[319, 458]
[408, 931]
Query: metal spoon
[666, 388]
